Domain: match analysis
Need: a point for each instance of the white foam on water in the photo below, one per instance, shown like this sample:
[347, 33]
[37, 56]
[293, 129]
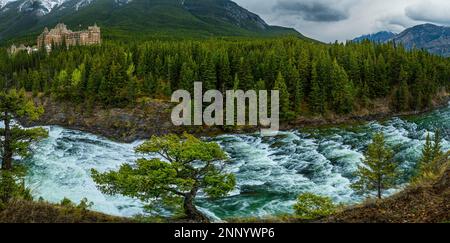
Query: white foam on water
[271, 171]
[60, 168]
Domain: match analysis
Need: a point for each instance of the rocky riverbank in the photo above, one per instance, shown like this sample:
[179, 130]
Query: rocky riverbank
[153, 118]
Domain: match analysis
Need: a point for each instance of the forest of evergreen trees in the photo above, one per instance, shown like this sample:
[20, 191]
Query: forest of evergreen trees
[313, 78]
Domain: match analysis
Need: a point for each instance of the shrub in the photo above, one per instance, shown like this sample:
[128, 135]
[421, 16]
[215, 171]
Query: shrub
[84, 204]
[12, 186]
[311, 206]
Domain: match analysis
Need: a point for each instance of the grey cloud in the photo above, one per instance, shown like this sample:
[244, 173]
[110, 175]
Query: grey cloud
[396, 22]
[314, 10]
[328, 20]
[436, 11]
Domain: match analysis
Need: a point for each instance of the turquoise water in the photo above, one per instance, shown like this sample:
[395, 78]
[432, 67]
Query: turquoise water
[271, 172]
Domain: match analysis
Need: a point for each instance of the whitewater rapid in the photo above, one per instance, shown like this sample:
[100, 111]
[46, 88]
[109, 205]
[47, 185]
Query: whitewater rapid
[270, 171]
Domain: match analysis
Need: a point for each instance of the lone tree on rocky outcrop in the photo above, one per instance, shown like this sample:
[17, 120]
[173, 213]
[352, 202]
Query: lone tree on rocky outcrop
[378, 171]
[187, 167]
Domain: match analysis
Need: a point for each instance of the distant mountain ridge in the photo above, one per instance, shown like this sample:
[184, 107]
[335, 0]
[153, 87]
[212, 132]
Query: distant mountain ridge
[379, 37]
[435, 39]
[165, 17]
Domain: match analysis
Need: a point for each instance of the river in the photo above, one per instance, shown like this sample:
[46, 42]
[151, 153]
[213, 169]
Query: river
[270, 172]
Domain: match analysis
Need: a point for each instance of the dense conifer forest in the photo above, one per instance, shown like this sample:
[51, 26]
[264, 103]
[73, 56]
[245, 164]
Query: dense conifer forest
[313, 78]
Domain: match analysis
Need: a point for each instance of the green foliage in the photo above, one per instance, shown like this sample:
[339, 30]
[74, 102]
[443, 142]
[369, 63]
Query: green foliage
[12, 186]
[188, 166]
[403, 95]
[16, 141]
[83, 205]
[17, 105]
[432, 160]
[280, 85]
[311, 206]
[169, 19]
[378, 171]
[342, 91]
[316, 97]
[437, 147]
[314, 77]
[65, 202]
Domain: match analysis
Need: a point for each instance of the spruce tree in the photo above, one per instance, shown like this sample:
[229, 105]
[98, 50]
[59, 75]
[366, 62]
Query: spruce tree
[369, 76]
[381, 86]
[378, 171]
[280, 85]
[245, 75]
[429, 163]
[295, 86]
[224, 78]
[342, 90]
[427, 156]
[187, 78]
[208, 74]
[316, 99]
[354, 72]
[403, 95]
[437, 147]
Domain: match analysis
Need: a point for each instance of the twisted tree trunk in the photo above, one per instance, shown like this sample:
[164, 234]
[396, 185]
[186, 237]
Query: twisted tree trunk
[7, 149]
[191, 212]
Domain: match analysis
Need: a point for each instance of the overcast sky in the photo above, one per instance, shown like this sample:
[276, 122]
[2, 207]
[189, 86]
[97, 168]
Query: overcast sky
[330, 20]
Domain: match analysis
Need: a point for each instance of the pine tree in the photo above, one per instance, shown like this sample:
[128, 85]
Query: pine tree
[295, 86]
[378, 171]
[208, 74]
[354, 68]
[304, 69]
[403, 95]
[324, 70]
[431, 154]
[36, 84]
[316, 99]
[224, 78]
[381, 80]
[280, 85]
[163, 89]
[369, 76]
[95, 78]
[260, 85]
[363, 95]
[245, 75]
[372, 71]
[75, 90]
[187, 78]
[342, 90]
[236, 82]
[132, 85]
[437, 148]
[427, 156]
[149, 85]
[417, 90]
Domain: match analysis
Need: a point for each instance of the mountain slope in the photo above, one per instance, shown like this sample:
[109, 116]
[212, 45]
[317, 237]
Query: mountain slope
[435, 39]
[148, 17]
[379, 37]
